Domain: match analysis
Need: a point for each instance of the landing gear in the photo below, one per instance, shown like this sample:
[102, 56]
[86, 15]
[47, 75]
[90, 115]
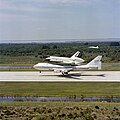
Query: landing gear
[39, 71]
[64, 73]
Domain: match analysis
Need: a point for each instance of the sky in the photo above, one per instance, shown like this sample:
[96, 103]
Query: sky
[30, 20]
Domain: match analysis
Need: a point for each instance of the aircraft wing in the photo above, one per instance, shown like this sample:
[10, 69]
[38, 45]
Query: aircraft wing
[63, 70]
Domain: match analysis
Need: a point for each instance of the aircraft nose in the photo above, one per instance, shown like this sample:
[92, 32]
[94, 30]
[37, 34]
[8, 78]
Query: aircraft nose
[35, 66]
[83, 60]
[47, 58]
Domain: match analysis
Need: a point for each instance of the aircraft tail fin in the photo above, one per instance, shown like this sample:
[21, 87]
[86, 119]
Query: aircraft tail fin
[96, 62]
[76, 54]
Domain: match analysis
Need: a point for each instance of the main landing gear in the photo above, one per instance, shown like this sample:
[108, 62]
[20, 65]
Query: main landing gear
[64, 73]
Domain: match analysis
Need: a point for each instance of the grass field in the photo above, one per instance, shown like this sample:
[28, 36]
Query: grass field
[59, 111]
[59, 89]
[62, 104]
[18, 60]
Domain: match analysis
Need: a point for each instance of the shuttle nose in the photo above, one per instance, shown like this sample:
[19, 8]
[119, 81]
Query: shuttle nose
[47, 58]
[82, 60]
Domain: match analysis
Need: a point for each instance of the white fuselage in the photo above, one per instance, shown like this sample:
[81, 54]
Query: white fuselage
[67, 60]
[47, 66]
[94, 47]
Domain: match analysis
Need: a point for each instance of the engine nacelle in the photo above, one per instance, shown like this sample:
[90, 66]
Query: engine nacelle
[60, 70]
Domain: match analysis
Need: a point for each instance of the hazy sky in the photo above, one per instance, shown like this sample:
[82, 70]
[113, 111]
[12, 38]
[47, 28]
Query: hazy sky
[58, 19]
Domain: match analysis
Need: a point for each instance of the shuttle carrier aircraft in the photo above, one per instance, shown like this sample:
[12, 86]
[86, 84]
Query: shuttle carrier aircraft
[95, 63]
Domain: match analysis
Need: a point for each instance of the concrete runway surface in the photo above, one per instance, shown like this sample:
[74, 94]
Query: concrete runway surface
[50, 76]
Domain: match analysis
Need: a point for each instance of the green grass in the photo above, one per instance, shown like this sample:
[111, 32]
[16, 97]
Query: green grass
[59, 111]
[62, 104]
[59, 89]
[18, 69]
[111, 66]
[18, 60]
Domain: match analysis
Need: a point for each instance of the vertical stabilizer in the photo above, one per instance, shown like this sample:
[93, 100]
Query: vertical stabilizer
[76, 54]
[96, 62]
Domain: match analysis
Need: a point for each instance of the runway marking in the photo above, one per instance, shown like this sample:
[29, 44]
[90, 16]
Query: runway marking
[86, 76]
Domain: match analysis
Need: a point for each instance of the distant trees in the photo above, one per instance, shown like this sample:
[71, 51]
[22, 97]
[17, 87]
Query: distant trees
[114, 44]
[109, 50]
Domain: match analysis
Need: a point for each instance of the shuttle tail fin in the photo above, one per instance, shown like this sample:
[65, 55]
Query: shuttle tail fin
[76, 54]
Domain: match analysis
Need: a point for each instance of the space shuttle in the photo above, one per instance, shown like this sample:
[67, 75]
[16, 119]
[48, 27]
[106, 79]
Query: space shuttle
[74, 59]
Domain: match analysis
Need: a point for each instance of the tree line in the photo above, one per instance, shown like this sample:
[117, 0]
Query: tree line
[109, 50]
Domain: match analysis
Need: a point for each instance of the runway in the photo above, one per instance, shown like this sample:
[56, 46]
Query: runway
[85, 76]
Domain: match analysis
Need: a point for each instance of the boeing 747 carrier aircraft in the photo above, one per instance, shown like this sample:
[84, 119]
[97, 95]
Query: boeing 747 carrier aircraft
[95, 63]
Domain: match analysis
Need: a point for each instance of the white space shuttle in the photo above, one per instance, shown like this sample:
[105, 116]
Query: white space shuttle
[95, 63]
[94, 47]
[72, 60]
